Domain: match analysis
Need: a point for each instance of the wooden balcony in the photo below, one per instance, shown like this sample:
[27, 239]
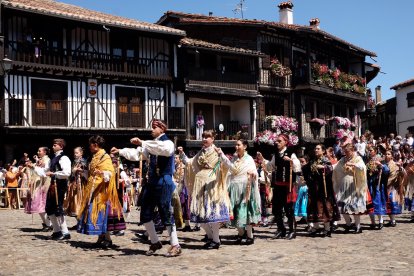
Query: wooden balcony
[55, 113]
[267, 79]
[29, 55]
[217, 78]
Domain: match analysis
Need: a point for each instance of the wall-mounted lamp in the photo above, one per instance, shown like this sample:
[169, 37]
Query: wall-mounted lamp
[6, 65]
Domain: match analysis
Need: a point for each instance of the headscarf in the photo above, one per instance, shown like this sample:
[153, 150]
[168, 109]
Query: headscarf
[160, 124]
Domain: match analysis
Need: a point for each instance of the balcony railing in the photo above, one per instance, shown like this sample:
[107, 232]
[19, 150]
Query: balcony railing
[23, 52]
[218, 78]
[233, 130]
[55, 113]
[269, 79]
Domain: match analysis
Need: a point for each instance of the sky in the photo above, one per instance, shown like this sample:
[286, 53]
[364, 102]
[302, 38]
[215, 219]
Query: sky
[381, 26]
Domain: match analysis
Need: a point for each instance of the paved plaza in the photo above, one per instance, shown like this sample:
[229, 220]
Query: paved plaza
[25, 250]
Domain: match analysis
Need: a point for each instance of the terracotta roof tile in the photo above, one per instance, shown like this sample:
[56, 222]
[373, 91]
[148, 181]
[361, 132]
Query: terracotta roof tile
[200, 19]
[189, 42]
[403, 84]
[59, 9]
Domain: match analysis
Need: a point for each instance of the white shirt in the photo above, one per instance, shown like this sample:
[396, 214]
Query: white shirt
[41, 171]
[153, 147]
[66, 166]
[296, 163]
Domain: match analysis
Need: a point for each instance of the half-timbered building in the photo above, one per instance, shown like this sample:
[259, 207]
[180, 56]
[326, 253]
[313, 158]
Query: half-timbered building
[77, 72]
[304, 73]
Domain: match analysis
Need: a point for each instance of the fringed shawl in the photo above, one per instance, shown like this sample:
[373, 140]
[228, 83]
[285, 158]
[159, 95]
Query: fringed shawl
[396, 179]
[359, 173]
[206, 181]
[102, 192]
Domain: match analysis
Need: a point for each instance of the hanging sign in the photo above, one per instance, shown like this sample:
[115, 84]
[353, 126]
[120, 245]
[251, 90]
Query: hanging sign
[92, 88]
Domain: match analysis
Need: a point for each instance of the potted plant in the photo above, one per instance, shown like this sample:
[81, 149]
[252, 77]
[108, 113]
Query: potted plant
[315, 126]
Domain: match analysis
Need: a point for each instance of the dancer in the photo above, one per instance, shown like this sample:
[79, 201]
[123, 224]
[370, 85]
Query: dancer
[208, 189]
[100, 195]
[377, 175]
[36, 199]
[60, 169]
[160, 187]
[395, 188]
[244, 191]
[321, 204]
[350, 187]
[284, 165]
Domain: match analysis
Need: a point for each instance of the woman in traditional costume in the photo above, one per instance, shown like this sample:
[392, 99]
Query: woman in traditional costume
[78, 180]
[36, 198]
[322, 205]
[243, 188]
[208, 189]
[377, 175]
[395, 188]
[99, 195]
[182, 192]
[350, 186]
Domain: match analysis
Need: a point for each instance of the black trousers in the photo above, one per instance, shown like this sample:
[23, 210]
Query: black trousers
[280, 203]
[51, 207]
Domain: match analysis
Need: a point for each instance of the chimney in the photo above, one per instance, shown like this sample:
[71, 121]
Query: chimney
[210, 14]
[378, 97]
[314, 23]
[286, 12]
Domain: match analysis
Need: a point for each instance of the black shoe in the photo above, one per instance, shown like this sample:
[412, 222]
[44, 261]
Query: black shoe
[205, 239]
[291, 236]
[211, 245]
[391, 224]
[302, 221]
[372, 226]
[46, 228]
[153, 248]
[347, 228]
[313, 233]
[380, 226]
[56, 236]
[105, 244]
[249, 241]
[358, 230]
[142, 236]
[64, 237]
[74, 227]
[239, 240]
[280, 235]
[196, 228]
[327, 234]
[411, 220]
[334, 227]
[187, 228]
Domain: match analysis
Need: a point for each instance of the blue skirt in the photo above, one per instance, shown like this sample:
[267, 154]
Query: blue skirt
[301, 204]
[88, 228]
[394, 207]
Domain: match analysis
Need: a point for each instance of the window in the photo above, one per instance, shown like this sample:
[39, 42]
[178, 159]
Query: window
[130, 108]
[410, 99]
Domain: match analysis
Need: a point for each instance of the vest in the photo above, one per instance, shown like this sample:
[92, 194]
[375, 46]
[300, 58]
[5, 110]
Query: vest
[55, 166]
[161, 165]
[282, 174]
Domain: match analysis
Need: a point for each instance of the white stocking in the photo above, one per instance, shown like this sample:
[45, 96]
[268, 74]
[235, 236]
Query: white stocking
[173, 235]
[150, 227]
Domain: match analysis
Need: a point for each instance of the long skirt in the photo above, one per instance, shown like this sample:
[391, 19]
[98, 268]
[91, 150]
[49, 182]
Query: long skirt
[245, 212]
[185, 203]
[302, 202]
[36, 201]
[378, 195]
[88, 228]
[73, 199]
[222, 214]
[394, 206]
[115, 222]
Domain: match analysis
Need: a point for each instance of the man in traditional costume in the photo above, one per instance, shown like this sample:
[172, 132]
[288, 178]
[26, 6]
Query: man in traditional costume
[159, 190]
[350, 186]
[36, 199]
[60, 170]
[284, 165]
[243, 188]
[208, 189]
[100, 195]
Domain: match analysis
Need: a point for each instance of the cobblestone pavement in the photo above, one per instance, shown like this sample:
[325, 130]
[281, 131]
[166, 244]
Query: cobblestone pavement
[25, 250]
